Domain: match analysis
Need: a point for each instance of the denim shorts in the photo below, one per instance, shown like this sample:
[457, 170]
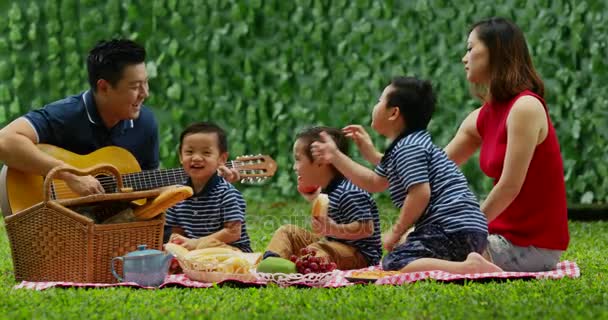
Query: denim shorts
[431, 241]
[510, 257]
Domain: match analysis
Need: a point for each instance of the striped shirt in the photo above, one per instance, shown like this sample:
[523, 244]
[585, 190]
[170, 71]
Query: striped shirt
[207, 211]
[348, 204]
[414, 159]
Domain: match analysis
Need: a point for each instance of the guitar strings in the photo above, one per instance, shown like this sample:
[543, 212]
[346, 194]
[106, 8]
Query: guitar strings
[155, 178]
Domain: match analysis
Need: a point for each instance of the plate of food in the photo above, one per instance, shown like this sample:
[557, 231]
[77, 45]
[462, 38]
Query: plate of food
[214, 265]
[369, 276]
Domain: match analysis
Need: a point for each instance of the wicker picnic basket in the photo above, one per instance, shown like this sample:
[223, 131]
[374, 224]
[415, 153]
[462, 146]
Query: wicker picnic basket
[52, 241]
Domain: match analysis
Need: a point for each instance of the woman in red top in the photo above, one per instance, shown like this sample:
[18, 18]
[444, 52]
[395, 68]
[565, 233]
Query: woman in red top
[526, 208]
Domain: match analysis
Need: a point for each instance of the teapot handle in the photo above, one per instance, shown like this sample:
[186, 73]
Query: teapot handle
[114, 271]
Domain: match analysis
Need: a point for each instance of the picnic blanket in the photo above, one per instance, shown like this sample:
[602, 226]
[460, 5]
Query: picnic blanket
[339, 279]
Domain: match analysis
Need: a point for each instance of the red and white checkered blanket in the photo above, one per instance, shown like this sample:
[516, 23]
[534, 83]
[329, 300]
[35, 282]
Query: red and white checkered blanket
[563, 269]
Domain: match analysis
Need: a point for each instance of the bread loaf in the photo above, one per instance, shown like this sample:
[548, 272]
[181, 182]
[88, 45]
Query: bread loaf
[320, 205]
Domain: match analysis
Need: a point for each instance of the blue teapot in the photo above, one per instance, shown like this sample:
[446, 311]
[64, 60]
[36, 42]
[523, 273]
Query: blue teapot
[146, 267]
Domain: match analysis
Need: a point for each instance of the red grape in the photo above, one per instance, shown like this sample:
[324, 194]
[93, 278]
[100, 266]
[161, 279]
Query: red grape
[308, 262]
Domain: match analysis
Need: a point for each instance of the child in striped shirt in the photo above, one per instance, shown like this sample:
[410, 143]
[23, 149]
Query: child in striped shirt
[349, 235]
[215, 215]
[430, 191]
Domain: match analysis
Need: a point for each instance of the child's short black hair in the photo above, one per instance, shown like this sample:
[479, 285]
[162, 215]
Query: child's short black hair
[415, 99]
[310, 135]
[206, 127]
[109, 58]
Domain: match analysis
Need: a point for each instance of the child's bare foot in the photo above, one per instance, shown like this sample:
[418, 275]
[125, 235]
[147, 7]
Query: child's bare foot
[476, 263]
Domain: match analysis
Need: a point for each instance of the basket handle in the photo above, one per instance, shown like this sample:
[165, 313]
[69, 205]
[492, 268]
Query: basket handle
[94, 170]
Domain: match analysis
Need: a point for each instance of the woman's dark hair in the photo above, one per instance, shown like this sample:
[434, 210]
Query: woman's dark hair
[415, 99]
[511, 69]
[109, 58]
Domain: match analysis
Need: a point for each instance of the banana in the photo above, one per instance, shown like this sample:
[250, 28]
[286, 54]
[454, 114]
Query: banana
[176, 250]
[208, 251]
[235, 264]
[217, 260]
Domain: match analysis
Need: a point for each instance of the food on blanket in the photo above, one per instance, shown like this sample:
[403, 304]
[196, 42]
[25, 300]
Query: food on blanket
[234, 264]
[252, 257]
[222, 260]
[373, 274]
[210, 253]
[176, 250]
[320, 205]
[276, 265]
[308, 262]
[217, 260]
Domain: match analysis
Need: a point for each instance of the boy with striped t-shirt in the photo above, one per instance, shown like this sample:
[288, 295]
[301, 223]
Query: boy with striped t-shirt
[215, 215]
[430, 191]
[349, 235]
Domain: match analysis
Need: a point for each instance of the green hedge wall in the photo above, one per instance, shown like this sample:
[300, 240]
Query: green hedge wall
[265, 68]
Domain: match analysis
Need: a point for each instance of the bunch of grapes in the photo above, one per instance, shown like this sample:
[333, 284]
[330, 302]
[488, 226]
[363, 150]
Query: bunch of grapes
[308, 262]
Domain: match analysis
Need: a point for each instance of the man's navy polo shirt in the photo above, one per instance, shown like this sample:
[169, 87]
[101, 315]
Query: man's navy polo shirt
[74, 124]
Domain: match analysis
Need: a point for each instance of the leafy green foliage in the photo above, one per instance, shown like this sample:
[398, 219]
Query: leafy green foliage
[584, 298]
[264, 69]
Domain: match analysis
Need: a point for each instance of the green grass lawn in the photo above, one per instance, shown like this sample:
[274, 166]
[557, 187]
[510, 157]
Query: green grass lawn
[586, 297]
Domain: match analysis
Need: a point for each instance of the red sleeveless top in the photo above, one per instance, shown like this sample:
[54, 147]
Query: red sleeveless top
[538, 216]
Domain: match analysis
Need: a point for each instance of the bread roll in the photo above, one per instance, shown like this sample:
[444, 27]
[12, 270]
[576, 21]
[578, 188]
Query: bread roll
[320, 205]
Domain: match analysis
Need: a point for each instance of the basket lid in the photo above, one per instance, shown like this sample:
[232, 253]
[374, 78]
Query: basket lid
[142, 251]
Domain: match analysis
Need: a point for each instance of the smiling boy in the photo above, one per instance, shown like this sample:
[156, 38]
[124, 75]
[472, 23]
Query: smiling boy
[215, 215]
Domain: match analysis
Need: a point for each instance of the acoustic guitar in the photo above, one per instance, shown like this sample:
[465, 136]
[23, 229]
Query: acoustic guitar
[20, 190]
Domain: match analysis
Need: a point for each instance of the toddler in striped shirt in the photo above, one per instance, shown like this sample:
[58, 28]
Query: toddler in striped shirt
[215, 215]
[349, 235]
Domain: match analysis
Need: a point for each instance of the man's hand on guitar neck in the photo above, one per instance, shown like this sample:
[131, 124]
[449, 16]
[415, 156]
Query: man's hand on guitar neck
[230, 174]
[83, 185]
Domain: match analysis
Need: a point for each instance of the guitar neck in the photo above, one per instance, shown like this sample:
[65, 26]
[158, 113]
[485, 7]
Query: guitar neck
[151, 179]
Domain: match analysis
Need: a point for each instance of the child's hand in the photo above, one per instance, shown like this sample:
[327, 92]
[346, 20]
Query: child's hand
[390, 240]
[322, 225]
[359, 136]
[363, 141]
[324, 150]
[230, 174]
[187, 243]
